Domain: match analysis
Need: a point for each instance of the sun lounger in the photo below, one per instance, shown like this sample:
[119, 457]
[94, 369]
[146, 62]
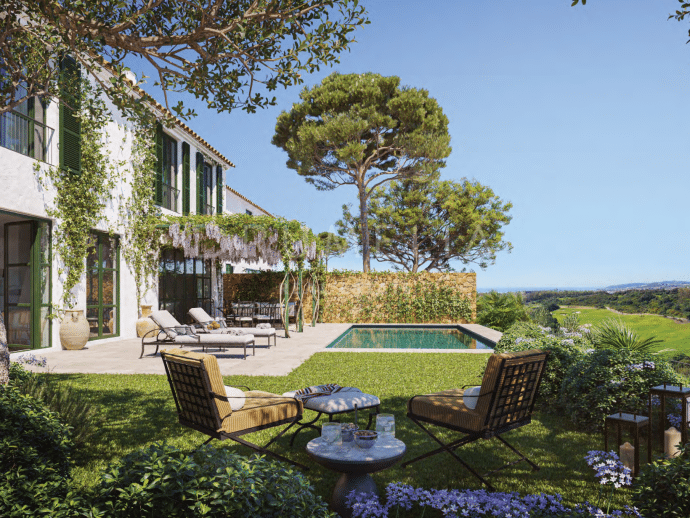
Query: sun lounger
[204, 323]
[170, 332]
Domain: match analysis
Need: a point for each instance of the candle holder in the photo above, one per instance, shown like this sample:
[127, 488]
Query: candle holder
[635, 422]
[669, 391]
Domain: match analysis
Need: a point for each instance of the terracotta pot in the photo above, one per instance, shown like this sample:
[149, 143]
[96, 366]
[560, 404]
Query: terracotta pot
[145, 324]
[74, 330]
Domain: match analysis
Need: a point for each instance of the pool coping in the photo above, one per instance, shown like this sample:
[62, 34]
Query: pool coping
[476, 331]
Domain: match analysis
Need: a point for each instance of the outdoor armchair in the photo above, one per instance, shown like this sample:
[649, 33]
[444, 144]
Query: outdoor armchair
[171, 332]
[204, 320]
[203, 402]
[504, 402]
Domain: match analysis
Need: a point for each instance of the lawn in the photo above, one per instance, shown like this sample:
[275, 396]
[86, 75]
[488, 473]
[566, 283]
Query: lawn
[139, 410]
[674, 335]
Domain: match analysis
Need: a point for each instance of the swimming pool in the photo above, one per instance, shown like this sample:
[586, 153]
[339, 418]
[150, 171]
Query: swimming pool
[408, 337]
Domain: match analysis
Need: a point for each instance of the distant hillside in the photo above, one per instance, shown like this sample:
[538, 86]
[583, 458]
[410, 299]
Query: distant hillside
[667, 301]
[662, 285]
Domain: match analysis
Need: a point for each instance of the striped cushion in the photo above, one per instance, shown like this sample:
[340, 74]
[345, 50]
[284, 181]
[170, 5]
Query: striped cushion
[446, 407]
[261, 408]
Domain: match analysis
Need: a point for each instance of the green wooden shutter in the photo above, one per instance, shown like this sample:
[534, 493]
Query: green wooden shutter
[70, 126]
[219, 189]
[185, 178]
[159, 164]
[200, 190]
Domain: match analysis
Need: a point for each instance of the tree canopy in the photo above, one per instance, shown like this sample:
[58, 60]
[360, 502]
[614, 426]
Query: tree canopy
[363, 130]
[426, 225]
[332, 245]
[225, 52]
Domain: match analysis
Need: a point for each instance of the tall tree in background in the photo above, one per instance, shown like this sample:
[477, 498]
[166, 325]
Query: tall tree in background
[220, 51]
[426, 225]
[333, 245]
[363, 130]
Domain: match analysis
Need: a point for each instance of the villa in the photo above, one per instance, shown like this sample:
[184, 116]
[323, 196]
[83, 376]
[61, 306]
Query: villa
[190, 179]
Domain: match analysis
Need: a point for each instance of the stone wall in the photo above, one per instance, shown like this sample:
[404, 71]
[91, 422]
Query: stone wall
[398, 297]
[371, 298]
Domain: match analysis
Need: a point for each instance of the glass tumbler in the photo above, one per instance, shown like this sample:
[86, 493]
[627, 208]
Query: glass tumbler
[385, 425]
[330, 432]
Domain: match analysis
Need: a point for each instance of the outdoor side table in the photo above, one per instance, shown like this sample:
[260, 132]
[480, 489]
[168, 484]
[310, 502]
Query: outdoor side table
[356, 465]
[662, 392]
[635, 422]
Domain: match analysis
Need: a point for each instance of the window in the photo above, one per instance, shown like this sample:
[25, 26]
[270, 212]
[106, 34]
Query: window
[166, 174]
[249, 212]
[23, 129]
[219, 189]
[103, 285]
[70, 126]
[228, 268]
[185, 178]
[204, 186]
[183, 283]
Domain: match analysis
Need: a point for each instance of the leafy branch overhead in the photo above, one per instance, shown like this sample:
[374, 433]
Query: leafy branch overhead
[229, 53]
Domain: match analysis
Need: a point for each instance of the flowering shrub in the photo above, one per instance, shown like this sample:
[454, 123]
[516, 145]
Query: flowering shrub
[455, 503]
[563, 352]
[607, 381]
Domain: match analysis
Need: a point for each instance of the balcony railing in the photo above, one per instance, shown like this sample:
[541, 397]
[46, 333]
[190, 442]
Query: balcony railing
[209, 210]
[25, 135]
[170, 195]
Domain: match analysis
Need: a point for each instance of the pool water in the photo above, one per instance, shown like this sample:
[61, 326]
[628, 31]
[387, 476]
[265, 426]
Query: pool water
[410, 337]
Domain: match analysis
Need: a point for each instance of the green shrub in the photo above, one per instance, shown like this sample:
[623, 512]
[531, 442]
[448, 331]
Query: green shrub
[571, 323]
[663, 487]
[540, 315]
[563, 352]
[614, 334]
[72, 407]
[608, 380]
[500, 310]
[165, 481]
[35, 454]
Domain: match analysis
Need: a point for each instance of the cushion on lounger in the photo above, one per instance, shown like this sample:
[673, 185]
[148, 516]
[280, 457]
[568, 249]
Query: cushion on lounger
[236, 397]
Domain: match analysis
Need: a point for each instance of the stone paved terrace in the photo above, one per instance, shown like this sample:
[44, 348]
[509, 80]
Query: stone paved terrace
[122, 356]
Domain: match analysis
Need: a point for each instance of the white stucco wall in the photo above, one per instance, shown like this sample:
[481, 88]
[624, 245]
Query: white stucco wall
[21, 193]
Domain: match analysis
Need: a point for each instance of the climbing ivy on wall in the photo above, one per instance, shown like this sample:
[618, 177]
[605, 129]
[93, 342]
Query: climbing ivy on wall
[81, 198]
[139, 213]
[405, 298]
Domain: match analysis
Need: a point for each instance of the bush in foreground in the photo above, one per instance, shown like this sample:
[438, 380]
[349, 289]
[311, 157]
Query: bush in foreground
[165, 481]
[35, 454]
[663, 487]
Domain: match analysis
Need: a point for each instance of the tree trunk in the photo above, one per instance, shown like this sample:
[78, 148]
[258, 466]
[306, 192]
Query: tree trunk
[415, 250]
[364, 225]
[4, 355]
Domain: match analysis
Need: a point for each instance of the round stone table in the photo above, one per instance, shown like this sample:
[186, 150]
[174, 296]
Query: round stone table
[355, 464]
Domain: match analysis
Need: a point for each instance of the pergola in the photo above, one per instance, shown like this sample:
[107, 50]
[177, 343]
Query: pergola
[239, 237]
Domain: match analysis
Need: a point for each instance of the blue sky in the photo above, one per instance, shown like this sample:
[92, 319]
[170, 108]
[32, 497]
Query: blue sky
[577, 115]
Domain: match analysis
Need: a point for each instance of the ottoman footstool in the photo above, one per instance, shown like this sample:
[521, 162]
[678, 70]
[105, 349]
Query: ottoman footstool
[348, 399]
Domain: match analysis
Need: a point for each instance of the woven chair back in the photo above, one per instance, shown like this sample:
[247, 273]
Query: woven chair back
[191, 388]
[517, 381]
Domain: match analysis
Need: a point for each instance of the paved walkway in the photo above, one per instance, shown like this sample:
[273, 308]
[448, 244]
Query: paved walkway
[122, 357]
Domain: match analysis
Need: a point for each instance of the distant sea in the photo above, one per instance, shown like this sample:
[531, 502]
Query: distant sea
[538, 288]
